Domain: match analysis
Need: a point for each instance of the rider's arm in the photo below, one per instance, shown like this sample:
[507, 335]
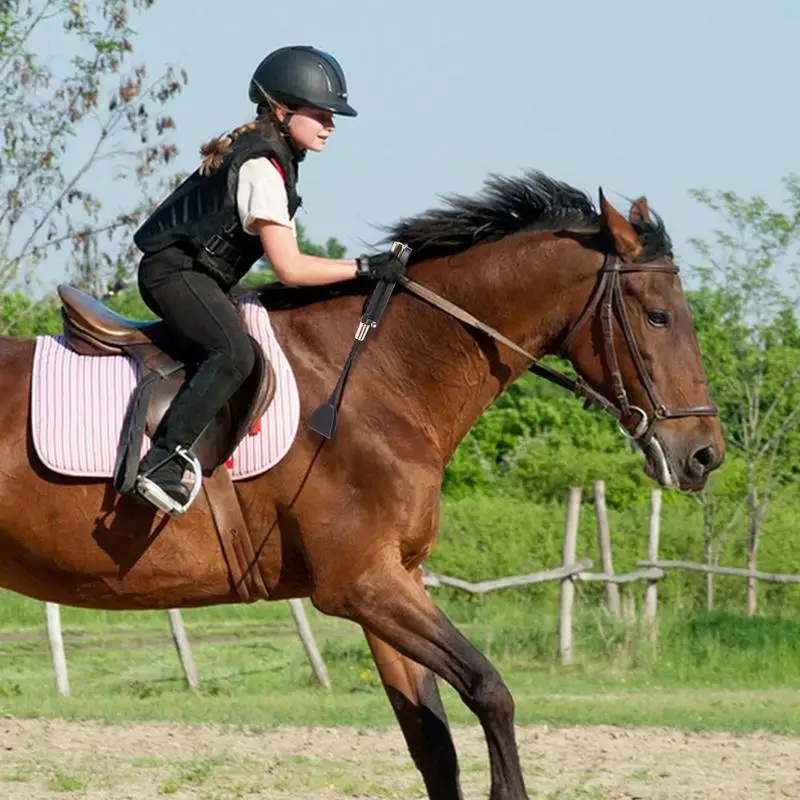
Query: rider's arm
[293, 267]
[263, 210]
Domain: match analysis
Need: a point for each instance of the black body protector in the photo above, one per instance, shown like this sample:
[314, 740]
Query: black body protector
[201, 215]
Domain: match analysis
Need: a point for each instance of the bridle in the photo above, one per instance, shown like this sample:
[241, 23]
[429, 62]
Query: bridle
[606, 297]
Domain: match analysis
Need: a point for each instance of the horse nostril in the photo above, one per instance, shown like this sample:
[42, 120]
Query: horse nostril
[704, 459]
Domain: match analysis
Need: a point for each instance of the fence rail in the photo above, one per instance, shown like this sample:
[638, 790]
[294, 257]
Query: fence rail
[737, 572]
[434, 579]
[571, 571]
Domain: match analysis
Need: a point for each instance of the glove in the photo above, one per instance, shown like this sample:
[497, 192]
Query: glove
[380, 267]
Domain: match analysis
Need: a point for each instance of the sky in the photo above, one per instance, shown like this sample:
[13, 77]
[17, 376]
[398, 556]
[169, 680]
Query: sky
[650, 98]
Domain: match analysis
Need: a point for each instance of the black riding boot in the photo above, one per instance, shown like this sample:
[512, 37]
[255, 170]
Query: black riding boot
[169, 476]
[193, 408]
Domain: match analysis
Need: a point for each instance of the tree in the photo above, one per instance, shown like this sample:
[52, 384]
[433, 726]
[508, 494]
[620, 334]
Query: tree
[748, 330]
[73, 133]
[538, 438]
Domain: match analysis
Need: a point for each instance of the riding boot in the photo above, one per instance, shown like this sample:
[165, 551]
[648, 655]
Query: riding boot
[167, 473]
[194, 407]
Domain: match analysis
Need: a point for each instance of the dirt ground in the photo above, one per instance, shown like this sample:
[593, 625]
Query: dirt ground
[50, 759]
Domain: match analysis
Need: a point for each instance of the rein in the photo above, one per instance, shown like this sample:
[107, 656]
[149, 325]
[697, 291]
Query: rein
[608, 297]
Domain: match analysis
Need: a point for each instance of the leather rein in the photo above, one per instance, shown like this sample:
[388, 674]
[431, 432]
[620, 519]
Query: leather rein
[607, 297]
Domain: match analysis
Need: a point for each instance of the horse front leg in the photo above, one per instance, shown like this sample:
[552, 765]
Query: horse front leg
[387, 601]
[416, 702]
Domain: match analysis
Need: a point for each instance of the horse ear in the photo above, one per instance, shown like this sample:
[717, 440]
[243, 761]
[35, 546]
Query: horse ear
[640, 211]
[626, 242]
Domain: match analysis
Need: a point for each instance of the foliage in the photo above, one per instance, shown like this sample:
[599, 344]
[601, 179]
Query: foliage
[73, 126]
[750, 335]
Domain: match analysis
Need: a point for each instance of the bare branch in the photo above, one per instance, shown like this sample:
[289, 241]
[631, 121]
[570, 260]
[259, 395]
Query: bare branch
[14, 52]
[45, 208]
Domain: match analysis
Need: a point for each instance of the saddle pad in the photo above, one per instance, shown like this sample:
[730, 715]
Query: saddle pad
[78, 404]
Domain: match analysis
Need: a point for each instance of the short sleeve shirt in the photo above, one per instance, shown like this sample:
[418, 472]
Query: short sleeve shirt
[261, 195]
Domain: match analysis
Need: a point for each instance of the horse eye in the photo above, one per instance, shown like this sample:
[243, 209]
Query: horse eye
[658, 318]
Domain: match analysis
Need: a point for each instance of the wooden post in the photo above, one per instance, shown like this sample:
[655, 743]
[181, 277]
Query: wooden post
[651, 596]
[753, 531]
[309, 642]
[184, 649]
[604, 542]
[567, 586]
[52, 612]
[629, 607]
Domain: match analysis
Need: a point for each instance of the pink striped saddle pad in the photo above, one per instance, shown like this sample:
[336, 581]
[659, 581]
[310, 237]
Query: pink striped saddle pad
[78, 404]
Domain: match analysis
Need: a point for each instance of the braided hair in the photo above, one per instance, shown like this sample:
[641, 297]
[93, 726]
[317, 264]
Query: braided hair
[213, 151]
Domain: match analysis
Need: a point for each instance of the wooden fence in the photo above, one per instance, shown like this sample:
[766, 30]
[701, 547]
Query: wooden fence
[181, 640]
[572, 570]
[567, 574]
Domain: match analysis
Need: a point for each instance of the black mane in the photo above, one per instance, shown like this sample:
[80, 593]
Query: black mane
[532, 202]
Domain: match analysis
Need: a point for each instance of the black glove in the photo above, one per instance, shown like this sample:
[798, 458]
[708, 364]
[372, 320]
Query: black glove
[380, 267]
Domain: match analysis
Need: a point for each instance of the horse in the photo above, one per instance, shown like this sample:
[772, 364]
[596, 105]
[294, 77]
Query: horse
[348, 521]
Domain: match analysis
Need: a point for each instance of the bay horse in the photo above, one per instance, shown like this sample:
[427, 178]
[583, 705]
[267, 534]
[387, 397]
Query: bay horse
[348, 521]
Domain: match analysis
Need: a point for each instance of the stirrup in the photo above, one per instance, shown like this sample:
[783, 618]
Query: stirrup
[154, 494]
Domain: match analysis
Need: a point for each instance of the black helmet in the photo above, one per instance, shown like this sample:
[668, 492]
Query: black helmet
[302, 76]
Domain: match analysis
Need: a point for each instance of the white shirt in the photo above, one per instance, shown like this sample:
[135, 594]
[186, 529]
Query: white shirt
[261, 195]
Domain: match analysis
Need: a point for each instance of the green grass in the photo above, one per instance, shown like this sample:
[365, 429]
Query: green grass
[192, 773]
[61, 782]
[709, 671]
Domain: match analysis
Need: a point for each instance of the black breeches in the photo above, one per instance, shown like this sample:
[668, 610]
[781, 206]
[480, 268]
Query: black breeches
[209, 336]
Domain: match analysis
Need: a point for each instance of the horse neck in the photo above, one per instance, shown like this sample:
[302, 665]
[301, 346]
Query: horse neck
[525, 286]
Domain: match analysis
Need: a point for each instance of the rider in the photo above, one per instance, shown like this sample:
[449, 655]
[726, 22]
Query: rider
[236, 207]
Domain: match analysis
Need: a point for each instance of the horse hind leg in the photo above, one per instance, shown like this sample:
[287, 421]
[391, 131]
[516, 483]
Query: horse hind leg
[416, 702]
[391, 604]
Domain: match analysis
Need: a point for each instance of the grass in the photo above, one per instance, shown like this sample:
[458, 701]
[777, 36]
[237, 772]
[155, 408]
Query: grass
[65, 783]
[228, 777]
[192, 773]
[708, 671]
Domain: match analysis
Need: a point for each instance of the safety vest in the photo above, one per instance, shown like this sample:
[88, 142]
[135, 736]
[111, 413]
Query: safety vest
[201, 215]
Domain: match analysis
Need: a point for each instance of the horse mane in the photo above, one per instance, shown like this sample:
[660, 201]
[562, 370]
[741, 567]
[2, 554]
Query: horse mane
[533, 202]
[505, 206]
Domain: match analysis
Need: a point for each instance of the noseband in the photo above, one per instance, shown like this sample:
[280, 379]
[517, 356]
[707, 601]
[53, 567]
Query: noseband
[606, 297]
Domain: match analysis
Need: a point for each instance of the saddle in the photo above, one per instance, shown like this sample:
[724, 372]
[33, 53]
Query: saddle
[93, 329]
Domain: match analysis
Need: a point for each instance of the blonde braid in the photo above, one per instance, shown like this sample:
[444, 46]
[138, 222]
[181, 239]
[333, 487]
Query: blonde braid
[214, 150]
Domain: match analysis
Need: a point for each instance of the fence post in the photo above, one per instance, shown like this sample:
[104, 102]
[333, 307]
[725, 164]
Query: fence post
[309, 642]
[567, 585]
[629, 605]
[651, 596]
[52, 612]
[184, 649]
[604, 542]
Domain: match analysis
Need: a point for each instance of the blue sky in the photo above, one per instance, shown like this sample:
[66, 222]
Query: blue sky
[642, 98]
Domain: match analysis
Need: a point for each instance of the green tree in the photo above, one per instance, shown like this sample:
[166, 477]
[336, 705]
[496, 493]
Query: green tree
[531, 439]
[745, 312]
[25, 316]
[71, 125]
